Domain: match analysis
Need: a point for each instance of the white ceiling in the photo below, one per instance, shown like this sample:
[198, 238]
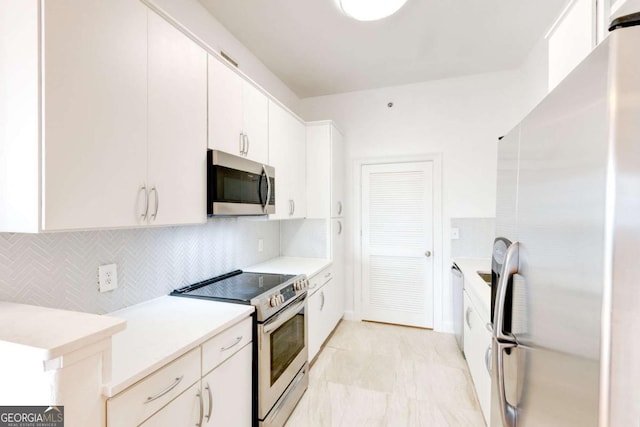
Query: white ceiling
[316, 50]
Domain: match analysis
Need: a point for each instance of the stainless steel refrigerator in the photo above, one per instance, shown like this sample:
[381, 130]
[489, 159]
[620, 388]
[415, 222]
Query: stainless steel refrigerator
[566, 288]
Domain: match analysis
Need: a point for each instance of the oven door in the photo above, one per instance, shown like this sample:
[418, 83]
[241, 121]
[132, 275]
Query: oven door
[282, 352]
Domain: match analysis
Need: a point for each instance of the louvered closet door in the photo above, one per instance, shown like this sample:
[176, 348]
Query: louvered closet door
[397, 232]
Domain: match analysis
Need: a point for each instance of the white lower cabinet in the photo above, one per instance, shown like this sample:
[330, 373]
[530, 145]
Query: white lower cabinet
[227, 392]
[209, 386]
[477, 350]
[324, 309]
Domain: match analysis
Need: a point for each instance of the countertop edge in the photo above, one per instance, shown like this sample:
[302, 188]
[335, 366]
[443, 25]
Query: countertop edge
[478, 290]
[281, 264]
[112, 388]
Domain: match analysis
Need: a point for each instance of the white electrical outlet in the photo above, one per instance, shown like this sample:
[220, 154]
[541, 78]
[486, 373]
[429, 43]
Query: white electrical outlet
[107, 277]
[260, 245]
[455, 233]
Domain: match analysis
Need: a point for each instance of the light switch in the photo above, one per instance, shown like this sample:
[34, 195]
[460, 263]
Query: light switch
[455, 233]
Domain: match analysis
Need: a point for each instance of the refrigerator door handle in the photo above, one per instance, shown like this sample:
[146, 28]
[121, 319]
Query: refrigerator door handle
[508, 411]
[503, 341]
[509, 268]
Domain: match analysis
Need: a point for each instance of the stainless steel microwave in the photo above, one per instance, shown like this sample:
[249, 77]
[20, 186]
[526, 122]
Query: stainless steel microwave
[239, 186]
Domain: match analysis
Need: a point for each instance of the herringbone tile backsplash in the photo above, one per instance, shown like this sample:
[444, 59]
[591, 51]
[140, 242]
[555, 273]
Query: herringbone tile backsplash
[60, 269]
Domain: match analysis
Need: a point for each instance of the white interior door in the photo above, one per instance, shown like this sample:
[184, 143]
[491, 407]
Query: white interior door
[397, 241]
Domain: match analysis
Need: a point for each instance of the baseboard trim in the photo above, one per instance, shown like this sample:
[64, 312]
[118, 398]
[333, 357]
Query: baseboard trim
[351, 315]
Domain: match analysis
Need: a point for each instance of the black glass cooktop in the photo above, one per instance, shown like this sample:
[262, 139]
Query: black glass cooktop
[235, 286]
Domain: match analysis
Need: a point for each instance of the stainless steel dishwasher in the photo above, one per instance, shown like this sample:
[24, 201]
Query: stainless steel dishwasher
[457, 287]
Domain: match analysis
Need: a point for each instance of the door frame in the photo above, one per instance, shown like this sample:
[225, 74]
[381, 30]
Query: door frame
[438, 285]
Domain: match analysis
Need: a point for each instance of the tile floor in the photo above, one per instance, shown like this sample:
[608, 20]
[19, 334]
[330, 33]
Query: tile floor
[372, 374]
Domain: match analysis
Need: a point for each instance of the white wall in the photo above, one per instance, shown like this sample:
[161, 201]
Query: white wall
[195, 17]
[461, 118]
[534, 76]
[627, 7]
[572, 39]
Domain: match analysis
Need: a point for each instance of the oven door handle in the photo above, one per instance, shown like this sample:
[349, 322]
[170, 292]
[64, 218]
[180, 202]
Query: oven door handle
[285, 315]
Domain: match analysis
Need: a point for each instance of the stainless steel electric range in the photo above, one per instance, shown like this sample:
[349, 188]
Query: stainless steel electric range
[280, 335]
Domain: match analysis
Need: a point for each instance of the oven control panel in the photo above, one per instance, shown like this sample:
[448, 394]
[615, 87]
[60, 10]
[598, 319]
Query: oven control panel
[288, 292]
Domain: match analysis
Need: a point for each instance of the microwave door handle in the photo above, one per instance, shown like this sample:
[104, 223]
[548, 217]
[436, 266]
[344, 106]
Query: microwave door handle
[260, 191]
[266, 202]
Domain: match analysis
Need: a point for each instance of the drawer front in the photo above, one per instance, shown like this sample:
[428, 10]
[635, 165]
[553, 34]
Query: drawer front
[317, 281]
[143, 399]
[226, 344]
[186, 410]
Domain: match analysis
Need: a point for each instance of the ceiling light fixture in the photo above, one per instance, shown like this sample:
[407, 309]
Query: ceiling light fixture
[370, 10]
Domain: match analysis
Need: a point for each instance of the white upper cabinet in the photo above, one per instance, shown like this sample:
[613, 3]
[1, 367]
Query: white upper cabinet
[94, 126]
[337, 173]
[123, 124]
[225, 108]
[255, 123]
[325, 171]
[238, 114]
[287, 154]
[177, 126]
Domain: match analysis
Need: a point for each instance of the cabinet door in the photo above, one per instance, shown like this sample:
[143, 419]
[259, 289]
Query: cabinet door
[318, 171]
[255, 115]
[184, 410]
[337, 254]
[316, 323]
[225, 108]
[337, 173]
[95, 127]
[280, 158]
[298, 159]
[177, 126]
[227, 392]
[477, 344]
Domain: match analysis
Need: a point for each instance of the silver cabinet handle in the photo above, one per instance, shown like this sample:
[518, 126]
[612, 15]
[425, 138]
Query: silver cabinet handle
[146, 202]
[266, 202]
[201, 409]
[290, 207]
[466, 316]
[210, 401]
[165, 391]
[155, 212]
[487, 359]
[294, 207]
[238, 339]
[241, 142]
[340, 228]
[427, 254]
[339, 208]
[322, 303]
[246, 149]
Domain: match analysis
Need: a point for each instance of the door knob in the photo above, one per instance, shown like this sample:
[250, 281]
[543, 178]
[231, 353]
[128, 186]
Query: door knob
[427, 254]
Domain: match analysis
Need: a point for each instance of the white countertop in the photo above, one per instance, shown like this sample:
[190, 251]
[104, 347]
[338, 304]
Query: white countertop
[291, 265]
[160, 330]
[51, 331]
[477, 289]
